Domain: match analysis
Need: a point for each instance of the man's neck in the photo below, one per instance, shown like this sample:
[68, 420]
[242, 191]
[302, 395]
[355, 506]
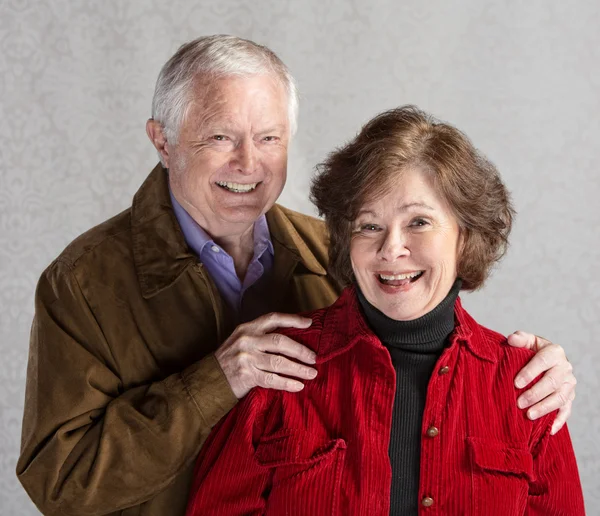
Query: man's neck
[240, 248]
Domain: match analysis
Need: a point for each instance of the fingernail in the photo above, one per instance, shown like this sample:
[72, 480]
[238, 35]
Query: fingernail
[312, 358]
[312, 373]
[554, 429]
[532, 414]
[521, 402]
[520, 382]
[297, 386]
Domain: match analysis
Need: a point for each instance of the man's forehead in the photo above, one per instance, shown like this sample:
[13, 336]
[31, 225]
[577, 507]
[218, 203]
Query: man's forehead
[212, 102]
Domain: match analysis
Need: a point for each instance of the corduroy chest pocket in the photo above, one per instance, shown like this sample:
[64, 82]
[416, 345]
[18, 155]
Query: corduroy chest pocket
[306, 475]
[501, 474]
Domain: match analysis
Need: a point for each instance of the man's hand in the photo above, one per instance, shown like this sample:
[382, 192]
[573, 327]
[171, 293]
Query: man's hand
[251, 358]
[556, 389]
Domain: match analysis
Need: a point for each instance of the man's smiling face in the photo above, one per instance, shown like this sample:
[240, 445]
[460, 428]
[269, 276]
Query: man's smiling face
[229, 165]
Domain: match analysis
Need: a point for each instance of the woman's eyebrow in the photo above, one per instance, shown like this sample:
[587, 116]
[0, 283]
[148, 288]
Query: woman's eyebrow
[366, 212]
[410, 205]
[403, 207]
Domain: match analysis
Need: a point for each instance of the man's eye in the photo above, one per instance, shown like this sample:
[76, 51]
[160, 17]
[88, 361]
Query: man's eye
[219, 137]
[270, 138]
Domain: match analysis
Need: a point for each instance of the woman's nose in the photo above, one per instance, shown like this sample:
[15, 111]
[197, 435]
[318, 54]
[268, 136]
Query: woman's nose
[393, 246]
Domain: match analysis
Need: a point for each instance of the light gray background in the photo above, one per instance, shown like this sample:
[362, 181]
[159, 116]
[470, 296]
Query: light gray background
[521, 78]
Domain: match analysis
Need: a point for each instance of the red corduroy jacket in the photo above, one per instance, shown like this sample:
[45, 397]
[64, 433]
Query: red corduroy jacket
[324, 450]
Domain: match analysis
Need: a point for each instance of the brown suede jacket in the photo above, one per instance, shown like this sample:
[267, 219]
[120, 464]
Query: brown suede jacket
[122, 384]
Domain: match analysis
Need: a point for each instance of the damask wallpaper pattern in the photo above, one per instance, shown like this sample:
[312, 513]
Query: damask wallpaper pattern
[521, 78]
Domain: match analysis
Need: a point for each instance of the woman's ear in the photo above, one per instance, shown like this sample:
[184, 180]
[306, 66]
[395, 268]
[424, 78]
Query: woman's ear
[462, 242]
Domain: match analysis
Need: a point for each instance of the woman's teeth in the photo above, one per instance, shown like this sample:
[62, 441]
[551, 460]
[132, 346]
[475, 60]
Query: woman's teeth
[399, 279]
[237, 187]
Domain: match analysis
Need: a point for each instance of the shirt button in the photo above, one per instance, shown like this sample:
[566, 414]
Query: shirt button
[432, 431]
[214, 249]
[444, 370]
[427, 501]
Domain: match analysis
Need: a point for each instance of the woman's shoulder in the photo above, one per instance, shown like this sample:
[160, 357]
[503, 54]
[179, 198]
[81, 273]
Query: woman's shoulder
[489, 343]
[506, 353]
[338, 318]
[311, 336]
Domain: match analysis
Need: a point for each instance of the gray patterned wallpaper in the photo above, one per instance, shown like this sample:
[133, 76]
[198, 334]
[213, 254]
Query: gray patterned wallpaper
[521, 78]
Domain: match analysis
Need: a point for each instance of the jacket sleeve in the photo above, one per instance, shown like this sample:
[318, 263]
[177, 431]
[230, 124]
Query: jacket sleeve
[228, 480]
[556, 488]
[88, 446]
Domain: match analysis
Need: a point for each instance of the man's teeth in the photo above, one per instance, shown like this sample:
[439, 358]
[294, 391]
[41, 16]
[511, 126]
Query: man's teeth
[397, 277]
[237, 187]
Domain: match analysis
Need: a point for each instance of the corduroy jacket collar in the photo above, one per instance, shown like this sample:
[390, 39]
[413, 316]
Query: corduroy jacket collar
[344, 325]
[159, 248]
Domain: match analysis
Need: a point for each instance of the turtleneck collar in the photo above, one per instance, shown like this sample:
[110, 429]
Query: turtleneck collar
[426, 334]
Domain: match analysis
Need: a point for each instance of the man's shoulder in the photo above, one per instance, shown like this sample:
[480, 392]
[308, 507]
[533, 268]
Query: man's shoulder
[303, 232]
[106, 240]
[302, 220]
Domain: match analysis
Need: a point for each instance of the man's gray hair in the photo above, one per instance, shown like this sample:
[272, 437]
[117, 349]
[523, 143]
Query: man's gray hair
[208, 58]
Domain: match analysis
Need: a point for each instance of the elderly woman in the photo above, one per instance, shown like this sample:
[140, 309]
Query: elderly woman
[413, 410]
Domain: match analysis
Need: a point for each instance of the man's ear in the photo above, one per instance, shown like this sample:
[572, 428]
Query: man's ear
[156, 133]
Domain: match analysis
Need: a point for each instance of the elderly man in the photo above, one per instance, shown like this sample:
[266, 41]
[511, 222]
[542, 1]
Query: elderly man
[149, 327]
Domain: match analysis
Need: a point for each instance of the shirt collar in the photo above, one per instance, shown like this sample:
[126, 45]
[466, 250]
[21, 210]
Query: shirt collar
[193, 233]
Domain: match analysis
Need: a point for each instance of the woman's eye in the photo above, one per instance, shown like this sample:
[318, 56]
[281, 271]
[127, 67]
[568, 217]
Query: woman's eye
[369, 227]
[419, 223]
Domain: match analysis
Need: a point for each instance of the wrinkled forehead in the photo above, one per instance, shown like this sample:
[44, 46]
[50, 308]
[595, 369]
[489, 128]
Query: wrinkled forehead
[231, 95]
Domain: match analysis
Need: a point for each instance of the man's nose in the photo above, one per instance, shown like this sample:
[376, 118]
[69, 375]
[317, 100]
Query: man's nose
[246, 157]
[393, 246]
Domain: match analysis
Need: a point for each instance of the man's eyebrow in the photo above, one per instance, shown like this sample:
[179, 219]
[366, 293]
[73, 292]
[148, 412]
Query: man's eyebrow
[272, 128]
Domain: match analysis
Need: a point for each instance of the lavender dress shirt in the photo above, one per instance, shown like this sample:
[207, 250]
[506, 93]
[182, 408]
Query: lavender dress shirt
[245, 299]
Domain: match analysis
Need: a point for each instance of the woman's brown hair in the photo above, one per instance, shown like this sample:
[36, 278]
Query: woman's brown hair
[393, 141]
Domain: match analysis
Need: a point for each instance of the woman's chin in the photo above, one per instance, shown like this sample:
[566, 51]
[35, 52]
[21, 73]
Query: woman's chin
[405, 310]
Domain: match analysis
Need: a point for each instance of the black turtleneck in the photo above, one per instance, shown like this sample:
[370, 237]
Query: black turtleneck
[415, 347]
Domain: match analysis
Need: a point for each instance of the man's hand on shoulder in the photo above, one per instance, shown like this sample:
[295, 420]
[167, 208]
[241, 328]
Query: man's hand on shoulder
[253, 357]
[555, 390]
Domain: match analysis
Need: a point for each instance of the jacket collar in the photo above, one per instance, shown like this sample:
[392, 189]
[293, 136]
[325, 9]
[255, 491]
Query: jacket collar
[344, 325]
[160, 251]
[284, 233]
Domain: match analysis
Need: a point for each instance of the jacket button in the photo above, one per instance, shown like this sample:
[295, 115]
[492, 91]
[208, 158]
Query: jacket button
[444, 370]
[427, 501]
[432, 431]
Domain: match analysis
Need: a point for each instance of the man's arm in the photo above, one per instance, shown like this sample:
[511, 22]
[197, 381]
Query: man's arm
[555, 390]
[91, 447]
[88, 447]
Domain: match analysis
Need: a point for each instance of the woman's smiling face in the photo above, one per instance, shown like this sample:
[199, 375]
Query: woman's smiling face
[405, 248]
